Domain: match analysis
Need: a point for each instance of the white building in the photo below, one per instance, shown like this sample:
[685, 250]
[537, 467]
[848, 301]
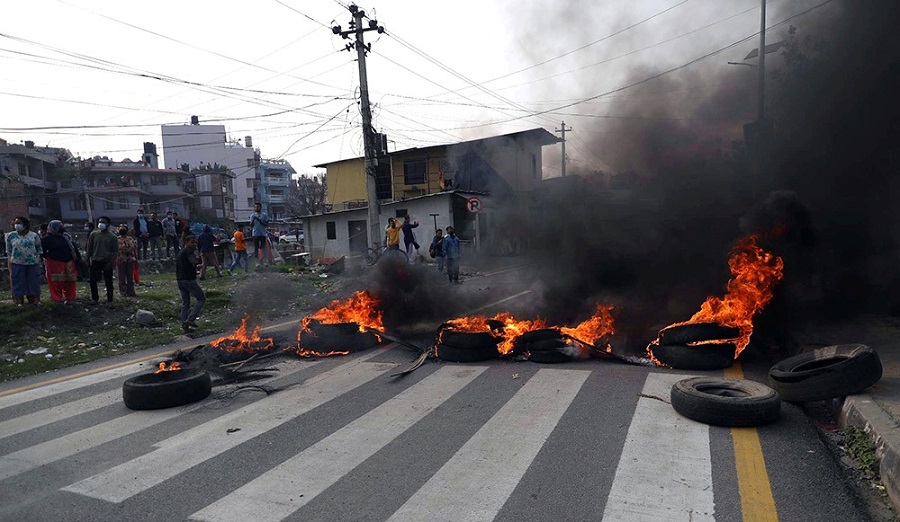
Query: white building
[207, 146]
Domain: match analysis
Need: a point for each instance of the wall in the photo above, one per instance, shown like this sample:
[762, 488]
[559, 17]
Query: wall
[346, 182]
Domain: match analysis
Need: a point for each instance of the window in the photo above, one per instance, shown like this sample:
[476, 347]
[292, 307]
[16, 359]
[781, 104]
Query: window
[414, 172]
[249, 163]
[159, 179]
[401, 212]
[249, 182]
[23, 171]
[330, 230]
[109, 204]
[534, 170]
[250, 202]
[77, 203]
[123, 203]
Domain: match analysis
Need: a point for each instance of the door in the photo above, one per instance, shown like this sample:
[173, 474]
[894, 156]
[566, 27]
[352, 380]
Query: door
[356, 231]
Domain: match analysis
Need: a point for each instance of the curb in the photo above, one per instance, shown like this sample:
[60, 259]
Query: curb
[864, 412]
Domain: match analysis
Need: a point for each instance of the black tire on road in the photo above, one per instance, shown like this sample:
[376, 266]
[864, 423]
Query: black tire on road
[333, 329]
[692, 333]
[457, 354]
[826, 373]
[542, 334]
[471, 340]
[353, 342]
[699, 357]
[154, 391]
[549, 357]
[725, 402]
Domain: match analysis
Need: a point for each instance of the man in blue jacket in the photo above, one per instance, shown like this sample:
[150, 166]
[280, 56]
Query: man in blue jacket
[451, 252]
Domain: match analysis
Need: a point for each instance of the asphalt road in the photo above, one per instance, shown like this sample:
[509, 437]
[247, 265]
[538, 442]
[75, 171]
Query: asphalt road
[342, 439]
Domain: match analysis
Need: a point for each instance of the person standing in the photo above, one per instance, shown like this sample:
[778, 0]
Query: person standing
[126, 259]
[240, 251]
[155, 228]
[24, 249]
[59, 261]
[436, 250]
[142, 233]
[409, 239]
[451, 252]
[259, 220]
[170, 234]
[207, 245]
[102, 249]
[186, 278]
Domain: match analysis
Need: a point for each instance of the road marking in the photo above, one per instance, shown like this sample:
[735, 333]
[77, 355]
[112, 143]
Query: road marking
[476, 482]
[286, 488]
[66, 383]
[505, 299]
[40, 418]
[197, 445]
[83, 440]
[757, 502]
[665, 471]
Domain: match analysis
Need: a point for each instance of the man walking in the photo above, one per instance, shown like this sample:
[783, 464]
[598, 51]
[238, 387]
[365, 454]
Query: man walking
[240, 251]
[451, 252]
[155, 228]
[186, 277]
[409, 239]
[102, 250]
[259, 220]
[207, 245]
[142, 233]
[171, 235]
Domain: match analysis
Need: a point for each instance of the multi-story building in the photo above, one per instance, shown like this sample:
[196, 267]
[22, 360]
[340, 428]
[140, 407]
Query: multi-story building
[274, 182]
[213, 190]
[481, 187]
[196, 146]
[117, 189]
[30, 186]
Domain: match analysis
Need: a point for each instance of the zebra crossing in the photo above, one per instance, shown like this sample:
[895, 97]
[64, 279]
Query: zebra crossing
[343, 440]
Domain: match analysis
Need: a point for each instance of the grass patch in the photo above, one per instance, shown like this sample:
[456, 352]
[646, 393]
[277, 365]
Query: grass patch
[861, 448]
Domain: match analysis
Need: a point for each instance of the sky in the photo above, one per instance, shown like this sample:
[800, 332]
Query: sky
[99, 77]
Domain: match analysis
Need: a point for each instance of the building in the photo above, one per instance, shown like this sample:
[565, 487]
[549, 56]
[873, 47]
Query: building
[28, 184]
[196, 146]
[274, 179]
[479, 187]
[213, 190]
[118, 189]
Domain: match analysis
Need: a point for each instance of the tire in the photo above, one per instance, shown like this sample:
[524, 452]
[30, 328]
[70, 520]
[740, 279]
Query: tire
[354, 342]
[725, 402]
[826, 373]
[700, 357]
[372, 256]
[546, 345]
[457, 354]
[549, 357]
[692, 333]
[542, 334]
[154, 391]
[470, 340]
[333, 329]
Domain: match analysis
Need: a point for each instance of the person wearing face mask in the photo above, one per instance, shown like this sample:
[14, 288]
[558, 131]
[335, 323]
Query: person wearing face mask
[102, 249]
[24, 248]
[125, 262]
[142, 232]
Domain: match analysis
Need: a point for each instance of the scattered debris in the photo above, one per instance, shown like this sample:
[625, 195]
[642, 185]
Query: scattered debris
[144, 318]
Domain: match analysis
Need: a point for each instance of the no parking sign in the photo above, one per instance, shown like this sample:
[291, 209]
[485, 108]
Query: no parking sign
[473, 205]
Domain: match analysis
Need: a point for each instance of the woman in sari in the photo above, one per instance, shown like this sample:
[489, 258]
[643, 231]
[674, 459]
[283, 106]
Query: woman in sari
[59, 262]
[125, 262]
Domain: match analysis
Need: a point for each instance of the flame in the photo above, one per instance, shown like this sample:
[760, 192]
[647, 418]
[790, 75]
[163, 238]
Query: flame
[513, 328]
[598, 325]
[652, 357]
[242, 341]
[360, 308]
[172, 367]
[302, 352]
[754, 274]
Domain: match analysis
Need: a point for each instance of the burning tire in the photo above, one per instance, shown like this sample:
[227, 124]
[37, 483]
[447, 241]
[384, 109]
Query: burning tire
[456, 354]
[699, 357]
[542, 334]
[826, 373]
[692, 333]
[154, 391]
[548, 351]
[725, 402]
[321, 337]
[469, 340]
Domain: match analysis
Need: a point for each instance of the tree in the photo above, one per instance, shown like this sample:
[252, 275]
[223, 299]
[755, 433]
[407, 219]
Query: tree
[306, 195]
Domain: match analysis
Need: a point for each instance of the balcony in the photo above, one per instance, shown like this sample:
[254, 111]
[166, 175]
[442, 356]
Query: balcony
[272, 198]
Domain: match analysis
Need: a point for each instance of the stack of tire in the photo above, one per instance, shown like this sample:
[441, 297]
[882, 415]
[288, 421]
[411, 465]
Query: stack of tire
[464, 346]
[328, 337]
[827, 373]
[677, 346]
[545, 345]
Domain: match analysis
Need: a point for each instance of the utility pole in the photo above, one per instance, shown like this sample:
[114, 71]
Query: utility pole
[357, 29]
[761, 112]
[563, 138]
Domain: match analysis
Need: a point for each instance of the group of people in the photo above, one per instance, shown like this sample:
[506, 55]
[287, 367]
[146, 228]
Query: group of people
[443, 247]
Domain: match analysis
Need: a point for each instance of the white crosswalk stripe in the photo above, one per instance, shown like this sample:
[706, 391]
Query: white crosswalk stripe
[472, 480]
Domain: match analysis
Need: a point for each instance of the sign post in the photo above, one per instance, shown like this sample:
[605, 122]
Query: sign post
[473, 205]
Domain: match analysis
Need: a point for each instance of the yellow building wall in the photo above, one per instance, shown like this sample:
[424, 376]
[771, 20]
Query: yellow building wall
[346, 182]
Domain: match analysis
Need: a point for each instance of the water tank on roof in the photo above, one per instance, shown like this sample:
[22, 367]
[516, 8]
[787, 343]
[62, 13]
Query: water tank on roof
[248, 141]
[195, 120]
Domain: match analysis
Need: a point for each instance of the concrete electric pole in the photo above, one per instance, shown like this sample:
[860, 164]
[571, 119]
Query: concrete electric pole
[357, 29]
[761, 112]
[563, 130]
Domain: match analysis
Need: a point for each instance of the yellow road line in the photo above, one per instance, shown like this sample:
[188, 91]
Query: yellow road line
[757, 502]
